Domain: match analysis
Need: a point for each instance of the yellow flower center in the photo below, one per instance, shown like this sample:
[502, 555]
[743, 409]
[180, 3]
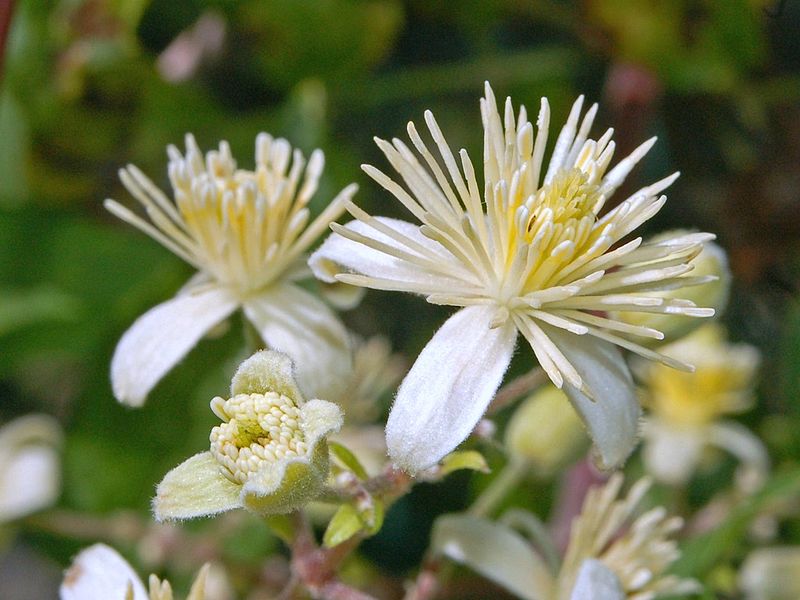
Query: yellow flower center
[569, 199]
[257, 428]
[687, 399]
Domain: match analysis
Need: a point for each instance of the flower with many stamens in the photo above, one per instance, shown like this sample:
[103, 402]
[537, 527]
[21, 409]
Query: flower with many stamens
[246, 233]
[531, 252]
[269, 455]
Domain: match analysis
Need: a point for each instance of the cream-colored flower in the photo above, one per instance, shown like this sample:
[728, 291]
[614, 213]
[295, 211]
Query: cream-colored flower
[613, 554]
[30, 471]
[636, 550]
[246, 233]
[527, 250]
[100, 573]
[268, 456]
[686, 409]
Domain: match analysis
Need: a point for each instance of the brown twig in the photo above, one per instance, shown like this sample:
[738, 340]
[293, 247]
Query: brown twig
[516, 388]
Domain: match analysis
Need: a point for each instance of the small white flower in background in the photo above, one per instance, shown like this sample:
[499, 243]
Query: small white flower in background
[100, 573]
[246, 233]
[771, 574]
[526, 251]
[612, 554]
[268, 456]
[685, 409]
[30, 465]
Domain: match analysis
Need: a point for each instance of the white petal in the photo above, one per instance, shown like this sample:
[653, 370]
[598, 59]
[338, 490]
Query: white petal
[596, 582]
[747, 447]
[671, 454]
[448, 388]
[163, 336]
[29, 481]
[495, 551]
[339, 254]
[100, 573]
[612, 416]
[296, 323]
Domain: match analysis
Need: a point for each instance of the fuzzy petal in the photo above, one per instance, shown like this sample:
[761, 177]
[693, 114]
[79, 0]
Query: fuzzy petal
[596, 581]
[296, 323]
[612, 417]
[195, 488]
[100, 573]
[339, 254]
[495, 551]
[449, 387]
[163, 336]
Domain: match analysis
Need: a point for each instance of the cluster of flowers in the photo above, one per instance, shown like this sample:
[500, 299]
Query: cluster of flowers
[535, 248]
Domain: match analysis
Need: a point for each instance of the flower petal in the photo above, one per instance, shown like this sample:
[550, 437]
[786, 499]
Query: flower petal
[195, 488]
[296, 323]
[161, 337]
[612, 416]
[594, 581]
[448, 388]
[100, 573]
[267, 371]
[671, 454]
[495, 551]
[339, 254]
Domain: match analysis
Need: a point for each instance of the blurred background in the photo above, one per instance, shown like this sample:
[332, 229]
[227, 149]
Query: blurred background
[88, 86]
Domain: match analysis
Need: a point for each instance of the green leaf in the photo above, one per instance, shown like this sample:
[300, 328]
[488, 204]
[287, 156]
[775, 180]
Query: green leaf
[464, 459]
[374, 519]
[348, 459]
[346, 523]
[700, 554]
[19, 308]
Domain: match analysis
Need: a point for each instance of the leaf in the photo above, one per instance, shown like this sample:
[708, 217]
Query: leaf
[348, 459]
[464, 459]
[281, 525]
[374, 520]
[346, 523]
[19, 308]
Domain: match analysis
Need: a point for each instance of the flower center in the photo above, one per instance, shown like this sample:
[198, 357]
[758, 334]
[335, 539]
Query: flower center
[257, 428]
[242, 224]
[565, 203]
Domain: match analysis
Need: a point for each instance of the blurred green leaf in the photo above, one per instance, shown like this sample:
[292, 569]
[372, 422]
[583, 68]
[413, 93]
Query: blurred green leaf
[346, 523]
[464, 459]
[348, 459]
[19, 308]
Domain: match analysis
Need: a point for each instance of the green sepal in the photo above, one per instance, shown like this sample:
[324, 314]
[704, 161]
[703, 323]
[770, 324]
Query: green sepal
[348, 459]
[464, 459]
[282, 526]
[346, 523]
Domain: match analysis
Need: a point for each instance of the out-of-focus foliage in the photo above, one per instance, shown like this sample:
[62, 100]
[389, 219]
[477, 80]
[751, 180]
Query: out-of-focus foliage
[90, 85]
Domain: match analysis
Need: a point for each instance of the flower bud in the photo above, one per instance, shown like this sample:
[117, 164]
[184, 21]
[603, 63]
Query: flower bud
[546, 431]
[771, 574]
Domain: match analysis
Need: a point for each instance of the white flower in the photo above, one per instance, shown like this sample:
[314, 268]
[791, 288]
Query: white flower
[100, 573]
[771, 574]
[528, 252]
[268, 456]
[613, 554]
[30, 477]
[246, 233]
[685, 409]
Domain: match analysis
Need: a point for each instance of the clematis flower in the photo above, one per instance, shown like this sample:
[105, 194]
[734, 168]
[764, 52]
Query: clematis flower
[268, 456]
[100, 573]
[246, 233]
[612, 554]
[30, 473]
[526, 251]
[686, 409]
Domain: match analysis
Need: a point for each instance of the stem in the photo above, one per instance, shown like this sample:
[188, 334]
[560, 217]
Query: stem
[515, 388]
[498, 489]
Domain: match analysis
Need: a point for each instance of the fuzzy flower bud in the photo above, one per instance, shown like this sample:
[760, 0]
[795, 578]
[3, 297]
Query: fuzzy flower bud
[546, 431]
